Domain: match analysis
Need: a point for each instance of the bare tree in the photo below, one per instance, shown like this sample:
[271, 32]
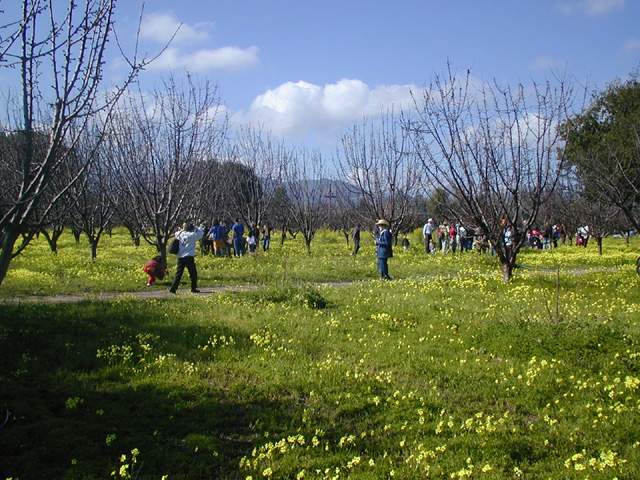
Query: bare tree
[495, 151]
[162, 151]
[344, 214]
[95, 200]
[65, 47]
[384, 173]
[304, 183]
[278, 213]
[126, 217]
[251, 195]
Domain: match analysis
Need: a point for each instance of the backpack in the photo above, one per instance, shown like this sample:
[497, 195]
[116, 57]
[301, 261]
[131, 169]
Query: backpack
[174, 248]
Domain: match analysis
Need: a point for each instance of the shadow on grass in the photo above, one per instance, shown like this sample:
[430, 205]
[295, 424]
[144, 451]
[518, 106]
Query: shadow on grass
[73, 417]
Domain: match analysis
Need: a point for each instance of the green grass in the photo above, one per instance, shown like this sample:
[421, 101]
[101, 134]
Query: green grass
[444, 373]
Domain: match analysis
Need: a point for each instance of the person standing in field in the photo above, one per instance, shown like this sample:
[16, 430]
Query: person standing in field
[355, 237]
[252, 238]
[384, 248]
[238, 238]
[406, 244]
[427, 234]
[217, 235]
[266, 236]
[188, 238]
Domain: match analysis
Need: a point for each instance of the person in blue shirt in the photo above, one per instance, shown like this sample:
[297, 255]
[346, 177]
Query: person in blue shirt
[384, 248]
[217, 235]
[238, 238]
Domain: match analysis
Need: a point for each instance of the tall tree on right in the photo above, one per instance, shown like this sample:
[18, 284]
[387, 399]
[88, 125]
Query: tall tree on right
[495, 151]
[603, 147]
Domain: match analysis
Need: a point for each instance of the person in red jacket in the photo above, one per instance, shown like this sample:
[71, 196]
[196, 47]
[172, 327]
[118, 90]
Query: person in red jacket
[155, 269]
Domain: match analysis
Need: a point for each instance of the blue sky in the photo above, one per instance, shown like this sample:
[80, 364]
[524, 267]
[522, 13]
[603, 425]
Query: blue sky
[306, 70]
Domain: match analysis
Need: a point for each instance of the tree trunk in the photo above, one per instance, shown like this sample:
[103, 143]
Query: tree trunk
[135, 236]
[507, 271]
[9, 238]
[52, 239]
[162, 251]
[599, 244]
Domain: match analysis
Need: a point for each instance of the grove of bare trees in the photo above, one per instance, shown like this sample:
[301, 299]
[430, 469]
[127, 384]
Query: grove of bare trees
[162, 150]
[62, 47]
[499, 159]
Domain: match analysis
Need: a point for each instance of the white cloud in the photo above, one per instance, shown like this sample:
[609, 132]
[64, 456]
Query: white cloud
[294, 109]
[631, 46]
[547, 63]
[161, 26]
[227, 58]
[592, 8]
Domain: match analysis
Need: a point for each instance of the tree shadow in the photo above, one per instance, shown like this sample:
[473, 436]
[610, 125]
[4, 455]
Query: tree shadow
[73, 417]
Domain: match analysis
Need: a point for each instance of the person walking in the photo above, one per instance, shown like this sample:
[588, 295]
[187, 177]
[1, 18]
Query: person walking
[355, 237]
[188, 238]
[384, 248]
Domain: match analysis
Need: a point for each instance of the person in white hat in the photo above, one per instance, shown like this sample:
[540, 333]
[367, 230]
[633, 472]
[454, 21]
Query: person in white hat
[384, 250]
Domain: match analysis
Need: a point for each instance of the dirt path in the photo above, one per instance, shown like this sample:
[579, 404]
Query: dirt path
[149, 294]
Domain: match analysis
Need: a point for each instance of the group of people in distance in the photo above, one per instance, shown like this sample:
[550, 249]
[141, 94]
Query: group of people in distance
[220, 238]
[463, 238]
[450, 237]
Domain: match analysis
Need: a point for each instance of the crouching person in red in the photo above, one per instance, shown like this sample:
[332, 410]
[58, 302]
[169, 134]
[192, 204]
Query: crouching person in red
[155, 269]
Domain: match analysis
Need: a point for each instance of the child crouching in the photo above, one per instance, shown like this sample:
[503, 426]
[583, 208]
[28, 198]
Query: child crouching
[155, 269]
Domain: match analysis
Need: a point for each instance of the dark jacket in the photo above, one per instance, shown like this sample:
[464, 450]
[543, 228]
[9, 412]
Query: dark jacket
[384, 248]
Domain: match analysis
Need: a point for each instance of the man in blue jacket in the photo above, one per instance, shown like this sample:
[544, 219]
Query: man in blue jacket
[384, 250]
[238, 238]
[188, 238]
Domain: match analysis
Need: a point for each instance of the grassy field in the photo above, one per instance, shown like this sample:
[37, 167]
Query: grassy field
[323, 371]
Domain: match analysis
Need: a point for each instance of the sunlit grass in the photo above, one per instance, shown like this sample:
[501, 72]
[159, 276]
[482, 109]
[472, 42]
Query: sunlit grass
[118, 267]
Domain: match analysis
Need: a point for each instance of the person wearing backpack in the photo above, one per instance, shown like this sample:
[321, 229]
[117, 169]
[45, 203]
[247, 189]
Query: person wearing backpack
[188, 238]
